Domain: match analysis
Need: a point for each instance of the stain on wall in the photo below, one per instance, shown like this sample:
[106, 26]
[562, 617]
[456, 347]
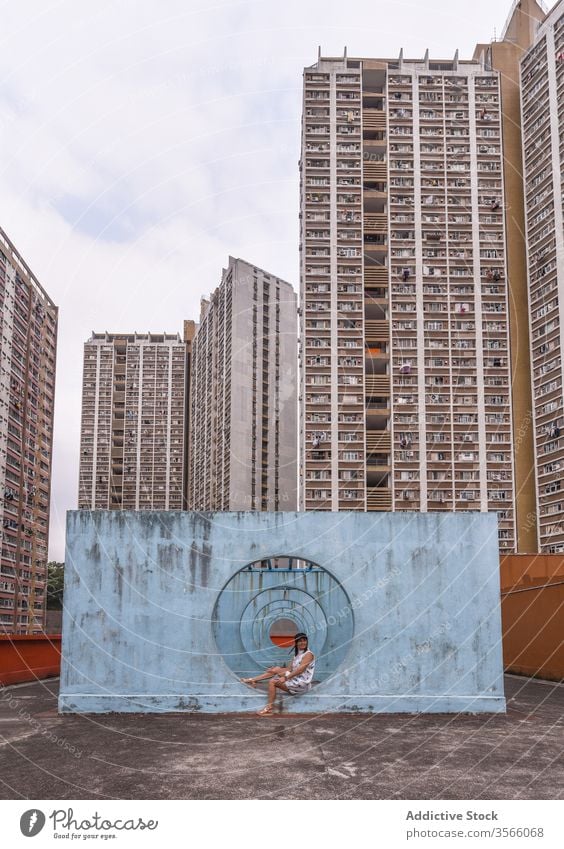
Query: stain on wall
[403, 613]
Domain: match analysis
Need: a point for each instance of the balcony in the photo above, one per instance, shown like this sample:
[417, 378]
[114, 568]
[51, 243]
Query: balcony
[377, 330]
[374, 191]
[376, 350]
[376, 222]
[373, 119]
[377, 384]
[375, 274]
[375, 246]
[378, 498]
[378, 441]
[377, 467]
[374, 171]
[377, 407]
[375, 294]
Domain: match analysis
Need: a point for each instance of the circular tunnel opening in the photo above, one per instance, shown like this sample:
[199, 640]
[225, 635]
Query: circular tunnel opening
[261, 608]
[282, 632]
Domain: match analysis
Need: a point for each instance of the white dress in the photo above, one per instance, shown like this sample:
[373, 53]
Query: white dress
[302, 682]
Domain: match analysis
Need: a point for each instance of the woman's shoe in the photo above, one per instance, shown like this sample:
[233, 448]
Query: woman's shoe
[250, 681]
[265, 711]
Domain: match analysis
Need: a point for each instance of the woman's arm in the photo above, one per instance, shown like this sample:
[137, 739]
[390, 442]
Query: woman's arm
[308, 657]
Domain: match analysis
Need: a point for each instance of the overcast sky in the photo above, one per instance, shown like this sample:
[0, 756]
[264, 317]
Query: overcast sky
[144, 142]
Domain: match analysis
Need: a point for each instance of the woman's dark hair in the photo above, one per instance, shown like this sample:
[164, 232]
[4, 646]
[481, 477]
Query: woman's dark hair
[300, 636]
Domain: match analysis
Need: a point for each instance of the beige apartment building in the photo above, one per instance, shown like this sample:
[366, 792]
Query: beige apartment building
[405, 349]
[504, 55]
[243, 395]
[28, 343]
[542, 103]
[133, 422]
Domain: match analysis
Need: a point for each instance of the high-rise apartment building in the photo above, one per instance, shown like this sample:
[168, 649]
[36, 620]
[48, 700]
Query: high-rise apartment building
[28, 343]
[504, 55]
[542, 103]
[189, 334]
[405, 360]
[133, 419]
[243, 419]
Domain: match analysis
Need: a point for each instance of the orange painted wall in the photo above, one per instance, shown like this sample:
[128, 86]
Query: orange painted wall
[532, 610]
[28, 657]
[283, 641]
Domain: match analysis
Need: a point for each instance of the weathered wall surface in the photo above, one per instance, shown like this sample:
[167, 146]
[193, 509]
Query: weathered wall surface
[407, 619]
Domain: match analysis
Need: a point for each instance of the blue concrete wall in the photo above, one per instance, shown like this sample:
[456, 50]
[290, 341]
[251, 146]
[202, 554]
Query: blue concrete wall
[252, 601]
[405, 617]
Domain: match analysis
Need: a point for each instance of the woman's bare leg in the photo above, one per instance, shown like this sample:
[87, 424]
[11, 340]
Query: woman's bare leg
[273, 685]
[274, 670]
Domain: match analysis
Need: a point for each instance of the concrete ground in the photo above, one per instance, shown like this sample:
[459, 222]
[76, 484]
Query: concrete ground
[179, 756]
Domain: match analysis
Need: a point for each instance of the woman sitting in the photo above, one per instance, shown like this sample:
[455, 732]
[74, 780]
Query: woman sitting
[295, 678]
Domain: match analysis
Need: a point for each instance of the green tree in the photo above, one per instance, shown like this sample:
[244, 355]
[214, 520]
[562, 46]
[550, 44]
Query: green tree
[55, 578]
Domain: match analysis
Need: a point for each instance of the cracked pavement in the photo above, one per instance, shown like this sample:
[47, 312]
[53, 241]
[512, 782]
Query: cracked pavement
[201, 756]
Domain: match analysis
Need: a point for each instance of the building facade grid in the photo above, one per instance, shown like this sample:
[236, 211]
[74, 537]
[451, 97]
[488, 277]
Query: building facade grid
[542, 107]
[132, 427]
[405, 376]
[243, 433]
[28, 343]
